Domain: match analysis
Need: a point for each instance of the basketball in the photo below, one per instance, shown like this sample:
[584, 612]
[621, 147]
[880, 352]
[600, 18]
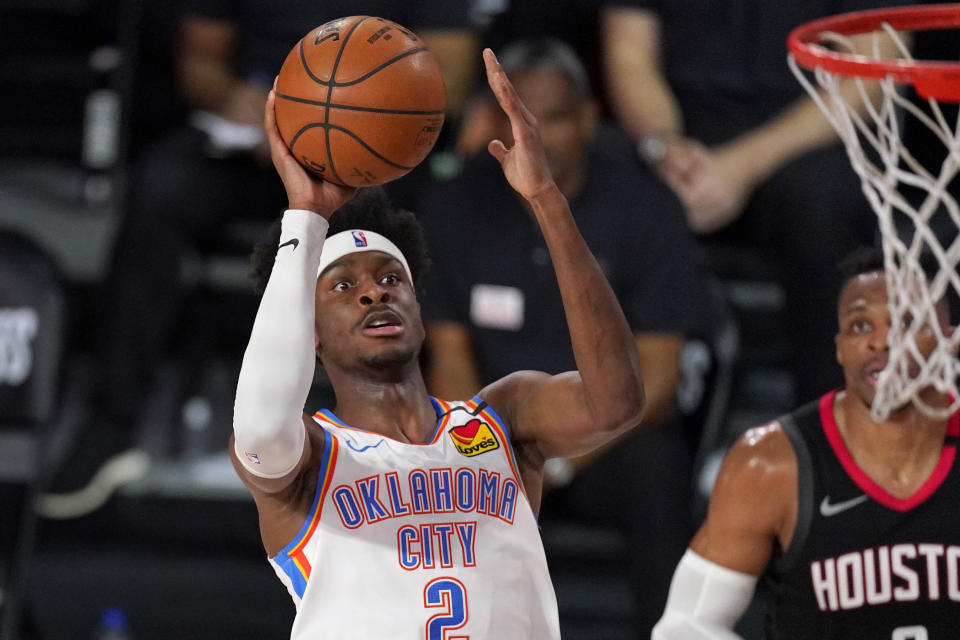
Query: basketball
[360, 101]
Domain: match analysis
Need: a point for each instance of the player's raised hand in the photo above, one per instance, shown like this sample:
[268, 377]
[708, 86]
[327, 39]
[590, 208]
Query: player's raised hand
[524, 164]
[304, 190]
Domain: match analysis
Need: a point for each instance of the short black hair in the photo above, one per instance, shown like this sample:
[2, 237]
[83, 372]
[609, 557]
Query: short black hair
[864, 259]
[867, 259]
[370, 210]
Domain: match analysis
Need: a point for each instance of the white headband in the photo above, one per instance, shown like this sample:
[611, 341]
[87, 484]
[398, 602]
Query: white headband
[355, 241]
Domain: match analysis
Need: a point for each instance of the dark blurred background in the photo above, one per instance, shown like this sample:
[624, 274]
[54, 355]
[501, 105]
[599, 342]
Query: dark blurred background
[87, 86]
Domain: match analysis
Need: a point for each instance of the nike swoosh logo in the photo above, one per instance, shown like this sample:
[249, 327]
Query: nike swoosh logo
[350, 444]
[827, 509]
[294, 242]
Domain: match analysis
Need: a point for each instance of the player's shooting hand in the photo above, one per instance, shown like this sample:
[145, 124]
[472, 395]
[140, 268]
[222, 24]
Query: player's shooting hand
[524, 164]
[304, 190]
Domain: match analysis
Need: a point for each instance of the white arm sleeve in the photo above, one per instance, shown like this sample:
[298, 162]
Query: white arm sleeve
[705, 601]
[278, 365]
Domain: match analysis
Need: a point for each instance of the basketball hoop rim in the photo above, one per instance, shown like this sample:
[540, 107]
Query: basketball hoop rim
[932, 79]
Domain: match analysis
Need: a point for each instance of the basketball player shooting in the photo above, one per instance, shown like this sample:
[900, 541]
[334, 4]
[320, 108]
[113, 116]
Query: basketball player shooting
[398, 515]
[852, 523]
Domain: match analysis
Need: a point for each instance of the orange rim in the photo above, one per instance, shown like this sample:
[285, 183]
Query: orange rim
[932, 79]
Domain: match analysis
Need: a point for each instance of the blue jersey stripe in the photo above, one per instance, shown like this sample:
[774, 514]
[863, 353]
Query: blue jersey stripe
[283, 559]
[297, 580]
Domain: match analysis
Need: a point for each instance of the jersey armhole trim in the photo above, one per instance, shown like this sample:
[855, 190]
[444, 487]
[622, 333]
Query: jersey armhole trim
[443, 409]
[479, 407]
[292, 559]
[801, 529]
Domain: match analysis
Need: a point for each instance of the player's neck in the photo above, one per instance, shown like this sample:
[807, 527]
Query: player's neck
[397, 409]
[898, 453]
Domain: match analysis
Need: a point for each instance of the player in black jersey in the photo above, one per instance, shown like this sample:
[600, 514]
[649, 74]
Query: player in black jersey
[853, 524]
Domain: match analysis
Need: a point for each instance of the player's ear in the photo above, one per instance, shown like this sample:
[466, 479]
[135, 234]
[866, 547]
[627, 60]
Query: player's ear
[836, 345]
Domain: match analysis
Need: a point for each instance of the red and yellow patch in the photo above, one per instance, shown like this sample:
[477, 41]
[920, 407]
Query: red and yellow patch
[473, 438]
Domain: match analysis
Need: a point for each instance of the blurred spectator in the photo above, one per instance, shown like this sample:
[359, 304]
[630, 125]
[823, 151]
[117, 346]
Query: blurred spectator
[492, 304]
[195, 181]
[703, 88]
[574, 22]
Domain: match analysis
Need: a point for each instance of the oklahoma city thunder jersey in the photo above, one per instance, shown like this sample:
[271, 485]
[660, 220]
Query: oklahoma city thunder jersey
[863, 563]
[420, 542]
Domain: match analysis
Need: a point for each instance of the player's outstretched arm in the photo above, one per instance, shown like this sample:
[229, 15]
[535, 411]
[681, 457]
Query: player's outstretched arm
[752, 508]
[269, 444]
[573, 412]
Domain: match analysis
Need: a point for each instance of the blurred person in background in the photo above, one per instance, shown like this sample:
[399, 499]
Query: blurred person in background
[576, 23]
[703, 88]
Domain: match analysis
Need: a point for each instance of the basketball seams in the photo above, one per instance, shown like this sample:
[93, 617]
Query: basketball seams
[349, 107]
[326, 111]
[333, 79]
[324, 146]
[327, 127]
[306, 67]
[375, 70]
[329, 101]
[332, 83]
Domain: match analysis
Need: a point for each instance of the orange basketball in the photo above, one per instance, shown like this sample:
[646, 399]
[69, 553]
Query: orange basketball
[360, 101]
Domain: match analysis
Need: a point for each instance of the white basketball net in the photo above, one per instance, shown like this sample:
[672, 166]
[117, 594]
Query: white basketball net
[871, 132]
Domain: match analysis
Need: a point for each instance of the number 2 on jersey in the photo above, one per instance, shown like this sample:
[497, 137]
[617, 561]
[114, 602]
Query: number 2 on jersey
[451, 595]
[917, 632]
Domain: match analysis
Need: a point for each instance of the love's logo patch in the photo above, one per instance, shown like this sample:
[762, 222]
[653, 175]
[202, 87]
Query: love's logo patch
[473, 438]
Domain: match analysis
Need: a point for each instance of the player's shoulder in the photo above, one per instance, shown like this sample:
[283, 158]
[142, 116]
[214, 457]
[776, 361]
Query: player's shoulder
[506, 391]
[768, 439]
[756, 488]
[761, 460]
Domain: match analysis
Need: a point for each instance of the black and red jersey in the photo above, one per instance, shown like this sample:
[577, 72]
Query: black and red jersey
[863, 563]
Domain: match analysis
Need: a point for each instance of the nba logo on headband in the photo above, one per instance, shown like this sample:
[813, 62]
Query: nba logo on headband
[357, 241]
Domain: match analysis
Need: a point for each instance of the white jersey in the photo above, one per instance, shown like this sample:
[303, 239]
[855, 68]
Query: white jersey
[421, 542]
